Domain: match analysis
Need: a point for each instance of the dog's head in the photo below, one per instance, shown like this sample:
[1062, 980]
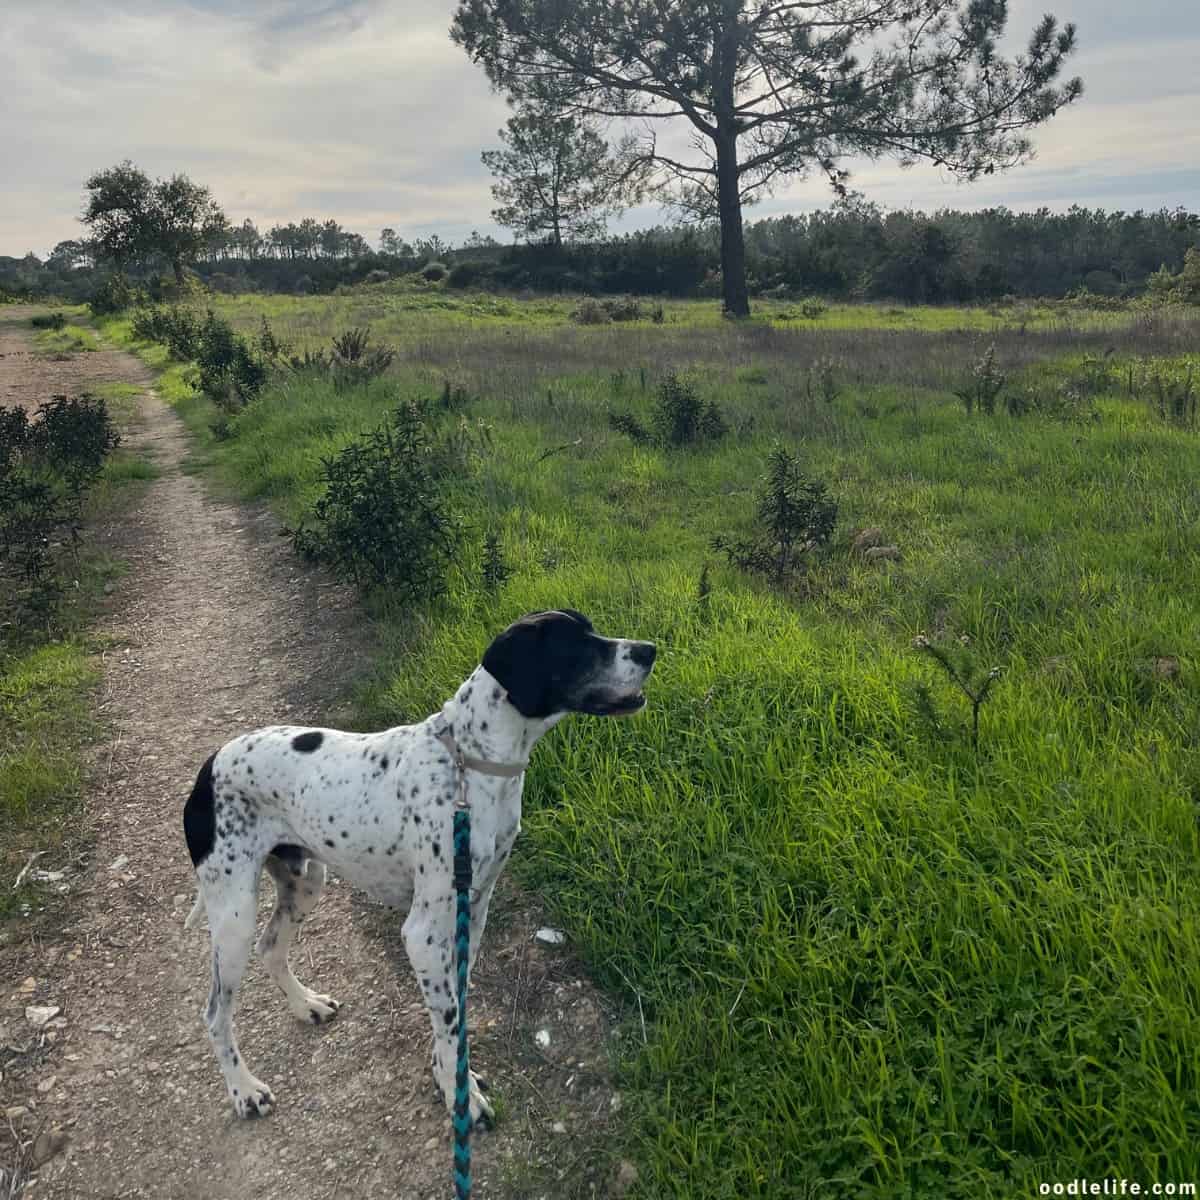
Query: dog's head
[554, 662]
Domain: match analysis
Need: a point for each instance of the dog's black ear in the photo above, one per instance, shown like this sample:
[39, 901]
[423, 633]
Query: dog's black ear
[514, 661]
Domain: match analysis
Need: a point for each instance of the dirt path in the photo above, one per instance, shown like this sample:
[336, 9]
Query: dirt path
[216, 629]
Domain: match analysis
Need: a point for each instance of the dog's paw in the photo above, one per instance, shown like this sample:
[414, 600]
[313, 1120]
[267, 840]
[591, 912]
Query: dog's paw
[321, 1009]
[483, 1115]
[253, 1100]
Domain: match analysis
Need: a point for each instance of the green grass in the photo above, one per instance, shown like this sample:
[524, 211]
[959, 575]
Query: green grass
[872, 962]
[44, 723]
[71, 339]
[404, 312]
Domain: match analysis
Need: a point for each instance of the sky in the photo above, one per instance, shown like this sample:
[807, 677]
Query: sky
[366, 112]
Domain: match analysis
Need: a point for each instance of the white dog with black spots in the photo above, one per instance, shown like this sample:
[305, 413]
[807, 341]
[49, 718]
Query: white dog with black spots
[378, 809]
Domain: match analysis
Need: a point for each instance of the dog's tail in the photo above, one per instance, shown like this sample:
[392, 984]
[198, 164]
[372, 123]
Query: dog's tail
[193, 918]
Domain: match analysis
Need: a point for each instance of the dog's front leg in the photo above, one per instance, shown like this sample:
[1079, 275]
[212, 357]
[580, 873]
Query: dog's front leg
[429, 940]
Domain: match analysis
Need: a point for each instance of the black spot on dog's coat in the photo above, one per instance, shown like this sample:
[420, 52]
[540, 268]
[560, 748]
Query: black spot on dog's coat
[306, 743]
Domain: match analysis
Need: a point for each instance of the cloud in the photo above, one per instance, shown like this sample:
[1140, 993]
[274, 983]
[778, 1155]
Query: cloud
[363, 110]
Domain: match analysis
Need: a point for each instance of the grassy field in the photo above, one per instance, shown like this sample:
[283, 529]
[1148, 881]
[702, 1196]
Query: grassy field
[872, 960]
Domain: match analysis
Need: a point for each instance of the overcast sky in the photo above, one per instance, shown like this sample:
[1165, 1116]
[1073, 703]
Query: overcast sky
[364, 111]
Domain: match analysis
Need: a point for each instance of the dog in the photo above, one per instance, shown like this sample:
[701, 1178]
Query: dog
[377, 808]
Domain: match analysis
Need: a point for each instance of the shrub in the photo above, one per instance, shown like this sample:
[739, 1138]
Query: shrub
[383, 519]
[795, 515]
[54, 320]
[1086, 298]
[454, 395]
[822, 380]
[495, 569]
[215, 345]
[114, 295]
[271, 347]
[314, 362]
[1175, 398]
[249, 372]
[984, 385]
[434, 272]
[958, 661]
[623, 308]
[231, 373]
[631, 427]
[377, 276]
[175, 328]
[465, 273]
[1183, 288]
[46, 467]
[73, 437]
[146, 324]
[812, 309]
[591, 312]
[1067, 402]
[681, 418]
[355, 361]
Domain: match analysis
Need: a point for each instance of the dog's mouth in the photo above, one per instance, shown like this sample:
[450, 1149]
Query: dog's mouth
[606, 704]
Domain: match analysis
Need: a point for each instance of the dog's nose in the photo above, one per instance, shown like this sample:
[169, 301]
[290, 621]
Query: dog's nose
[643, 654]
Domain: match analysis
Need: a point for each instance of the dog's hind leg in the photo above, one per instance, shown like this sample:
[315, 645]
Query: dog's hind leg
[232, 902]
[298, 884]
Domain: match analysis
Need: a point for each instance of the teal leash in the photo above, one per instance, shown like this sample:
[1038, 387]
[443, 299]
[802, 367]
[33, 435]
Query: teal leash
[463, 878]
[462, 1076]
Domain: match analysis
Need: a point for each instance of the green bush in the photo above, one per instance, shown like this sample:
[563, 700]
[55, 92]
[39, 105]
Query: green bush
[114, 295]
[434, 272]
[383, 520]
[795, 516]
[1181, 288]
[355, 361]
[679, 418]
[591, 312]
[174, 326]
[46, 468]
[821, 379]
[983, 387]
[54, 320]
[231, 373]
[623, 308]
[465, 273]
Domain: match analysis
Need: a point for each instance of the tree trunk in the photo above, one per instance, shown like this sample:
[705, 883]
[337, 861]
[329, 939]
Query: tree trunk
[177, 267]
[733, 245]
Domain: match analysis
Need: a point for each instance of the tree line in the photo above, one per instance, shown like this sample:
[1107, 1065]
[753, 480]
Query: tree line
[850, 251]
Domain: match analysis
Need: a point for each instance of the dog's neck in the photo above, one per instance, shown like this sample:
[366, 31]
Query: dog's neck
[486, 725]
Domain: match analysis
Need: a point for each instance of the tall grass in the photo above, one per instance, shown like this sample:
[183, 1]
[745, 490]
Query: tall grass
[872, 961]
